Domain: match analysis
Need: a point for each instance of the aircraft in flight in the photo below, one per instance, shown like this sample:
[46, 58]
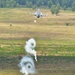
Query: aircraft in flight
[38, 14]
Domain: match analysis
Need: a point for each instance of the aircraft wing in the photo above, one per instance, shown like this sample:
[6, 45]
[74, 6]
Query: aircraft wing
[43, 15]
[32, 13]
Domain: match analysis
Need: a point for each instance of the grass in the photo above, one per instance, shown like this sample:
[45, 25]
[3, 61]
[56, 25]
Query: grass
[54, 35]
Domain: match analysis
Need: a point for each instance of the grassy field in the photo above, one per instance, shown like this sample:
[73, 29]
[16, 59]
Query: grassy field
[54, 35]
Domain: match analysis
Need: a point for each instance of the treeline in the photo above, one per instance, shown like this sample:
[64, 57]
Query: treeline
[63, 4]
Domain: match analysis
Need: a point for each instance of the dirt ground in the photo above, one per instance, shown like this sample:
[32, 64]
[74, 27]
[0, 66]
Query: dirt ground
[46, 65]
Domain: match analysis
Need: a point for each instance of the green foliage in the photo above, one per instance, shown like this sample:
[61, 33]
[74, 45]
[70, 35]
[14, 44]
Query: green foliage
[34, 7]
[65, 4]
[17, 5]
[11, 3]
[38, 3]
[67, 24]
[50, 4]
[73, 6]
[58, 6]
[54, 9]
[64, 7]
[28, 4]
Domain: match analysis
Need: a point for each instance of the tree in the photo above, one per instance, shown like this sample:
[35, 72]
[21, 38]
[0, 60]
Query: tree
[64, 7]
[17, 5]
[58, 6]
[54, 10]
[73, 6]
[50, 4]
[38, 3]
[34, 7]
[0, 4]
[3, 3]
[65, 4]
[28, 4]
[11, 3]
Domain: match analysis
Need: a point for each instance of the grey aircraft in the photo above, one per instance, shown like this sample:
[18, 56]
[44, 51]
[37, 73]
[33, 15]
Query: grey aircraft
[38, 14]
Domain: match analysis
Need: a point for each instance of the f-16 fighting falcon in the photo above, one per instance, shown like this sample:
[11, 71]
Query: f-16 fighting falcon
[38, 14]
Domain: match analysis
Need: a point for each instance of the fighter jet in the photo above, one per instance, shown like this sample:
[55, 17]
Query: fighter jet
[38, 14]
